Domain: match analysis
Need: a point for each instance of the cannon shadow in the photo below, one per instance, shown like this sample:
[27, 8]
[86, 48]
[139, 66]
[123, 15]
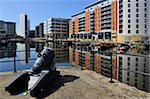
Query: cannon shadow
[55, 85]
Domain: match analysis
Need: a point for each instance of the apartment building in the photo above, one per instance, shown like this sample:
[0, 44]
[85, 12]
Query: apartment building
[112, 21]
[133, 70]
[39, 30]
[134, 21]
[98, 21]
[24, 25]
[7, 29]
[56, 28]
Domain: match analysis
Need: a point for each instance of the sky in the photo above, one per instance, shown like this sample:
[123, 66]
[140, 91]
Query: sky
[40, 10]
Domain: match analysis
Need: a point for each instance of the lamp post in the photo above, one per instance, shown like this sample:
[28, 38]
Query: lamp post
[111, 80]
[15, 62]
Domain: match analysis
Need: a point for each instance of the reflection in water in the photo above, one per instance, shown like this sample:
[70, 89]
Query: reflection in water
[39, 47]
[8, 50]
[60, 50]
[129, 68]
[24, 52]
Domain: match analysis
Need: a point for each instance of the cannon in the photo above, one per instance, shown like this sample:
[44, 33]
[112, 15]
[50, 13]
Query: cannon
[35, 80]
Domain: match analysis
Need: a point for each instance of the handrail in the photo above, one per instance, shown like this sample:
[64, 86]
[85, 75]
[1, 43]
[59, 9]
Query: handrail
[17, 60]
[16, 50]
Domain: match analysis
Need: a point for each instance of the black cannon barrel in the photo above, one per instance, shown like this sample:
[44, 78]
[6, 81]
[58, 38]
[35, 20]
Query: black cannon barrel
[45, 61]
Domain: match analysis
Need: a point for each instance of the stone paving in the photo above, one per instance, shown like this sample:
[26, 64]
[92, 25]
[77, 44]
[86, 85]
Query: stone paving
[78, 84]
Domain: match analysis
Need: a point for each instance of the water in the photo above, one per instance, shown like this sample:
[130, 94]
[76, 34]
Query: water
[127, 68]
[23, 55]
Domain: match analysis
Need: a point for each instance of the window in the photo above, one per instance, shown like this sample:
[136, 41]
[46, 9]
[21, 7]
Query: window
[144, 86]
[145, 31]
[145, 26]
[128, 64]
[137, 5]
[128, 5]
[129, 21]
[145, 9]
[137, 20]
[137, 26]
[145, 4]
[129, 26]
[129, 16]
[145, 15]
[137, 15]
[136, 64]
[128, 58]
[129, 10]
[136, 59]
[137, 10]
[144, 65]
[136, 69]
[135, 74]
[120, 60]
[127, 79]
[129, 1]
[137, 31]
[144, 59]
[129, 31]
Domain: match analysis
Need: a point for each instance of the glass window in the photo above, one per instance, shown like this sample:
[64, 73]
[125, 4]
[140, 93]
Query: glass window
[129, 26]
[128, 63]
[137, 5]
[129, 31]
[129, 21]
[129, 10]
[145, 4]
[137, 31]
[137, 20]
[128, 58]
[129, 16]
[136, 59]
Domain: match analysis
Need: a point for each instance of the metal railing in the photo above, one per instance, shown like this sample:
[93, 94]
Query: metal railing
[13, 58]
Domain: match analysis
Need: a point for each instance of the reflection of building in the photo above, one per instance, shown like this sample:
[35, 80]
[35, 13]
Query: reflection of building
[135, 70]
[24, 52]
[92, 59]
[39, 47]
[32, 34]
[39, 30]
[8, 51]
[56, 28]
[7, 29]
[61, 52]
[112, 20]
[24, 25]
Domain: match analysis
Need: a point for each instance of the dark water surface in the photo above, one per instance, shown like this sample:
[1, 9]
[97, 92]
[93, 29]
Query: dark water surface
[22, 55]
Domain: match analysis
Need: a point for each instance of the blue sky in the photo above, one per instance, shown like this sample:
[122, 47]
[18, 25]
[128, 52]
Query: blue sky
[40, 10]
